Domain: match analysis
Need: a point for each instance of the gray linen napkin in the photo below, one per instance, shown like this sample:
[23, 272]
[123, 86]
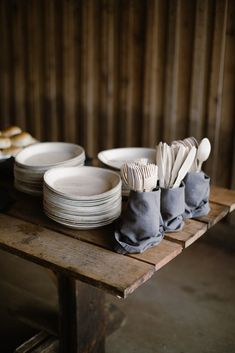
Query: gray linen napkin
[197, 191]
[172, 208]
[140, 227]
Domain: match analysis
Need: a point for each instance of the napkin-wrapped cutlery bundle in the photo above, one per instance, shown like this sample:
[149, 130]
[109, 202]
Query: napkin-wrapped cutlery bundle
[140, 175]
[197, 192]
[140, 226]
[180, 164]
[163, 195]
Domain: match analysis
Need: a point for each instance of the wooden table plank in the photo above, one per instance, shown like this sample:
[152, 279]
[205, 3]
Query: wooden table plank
[30, 209]
[215, 215]
[27, 209]
[190, 233]
[160, 255]
[223, 196]
[117, 274]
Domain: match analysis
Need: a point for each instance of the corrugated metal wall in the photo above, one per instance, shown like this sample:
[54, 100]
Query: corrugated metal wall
[108, 73]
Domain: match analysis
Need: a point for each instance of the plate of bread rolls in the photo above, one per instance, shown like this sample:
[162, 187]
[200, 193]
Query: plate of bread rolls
[13, 140]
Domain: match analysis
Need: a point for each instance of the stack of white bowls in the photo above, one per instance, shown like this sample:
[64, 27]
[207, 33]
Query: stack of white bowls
[82, 198]
[34, 161]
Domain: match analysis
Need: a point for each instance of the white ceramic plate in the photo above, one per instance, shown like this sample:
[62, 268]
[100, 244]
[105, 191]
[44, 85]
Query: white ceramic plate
[27, 189]
[48, 154]
[82, 218]
[82, 205]
[82, 197]
[88, 211]
[114, 158]
[82, 183]
[80, 225]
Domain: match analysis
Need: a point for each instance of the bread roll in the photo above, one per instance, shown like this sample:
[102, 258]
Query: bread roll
[11, 131]
[21, 140]
[5, 142]
[11, 151]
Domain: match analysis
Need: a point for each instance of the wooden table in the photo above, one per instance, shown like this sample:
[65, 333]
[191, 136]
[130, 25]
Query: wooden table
[87, 267]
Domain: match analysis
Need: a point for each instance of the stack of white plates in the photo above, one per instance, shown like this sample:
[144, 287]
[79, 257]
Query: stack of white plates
[35, 160]
[82, 198]
[116, 157]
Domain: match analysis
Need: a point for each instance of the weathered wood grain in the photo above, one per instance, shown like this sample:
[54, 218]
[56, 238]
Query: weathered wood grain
[34, 42]
[50, 64]
[6, 69]
[160, 255]
[216, 213]
[223, 196]
[27, 209]
[109, 73]
[216, 85]
[191, 232]
[19, 65]
[71, 91]
[89, 74]
[178, 66]
[117, 274]
[226, 139]
[200, 72]
[154, 74]
[30, 209]
[130, 72]
[82, 317]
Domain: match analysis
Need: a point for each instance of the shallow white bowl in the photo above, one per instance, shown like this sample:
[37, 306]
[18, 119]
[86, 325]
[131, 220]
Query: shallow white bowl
[116, 157]
[49, 154]
[82, 183]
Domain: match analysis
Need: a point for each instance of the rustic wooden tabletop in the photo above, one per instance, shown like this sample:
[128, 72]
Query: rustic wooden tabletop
[88, 256]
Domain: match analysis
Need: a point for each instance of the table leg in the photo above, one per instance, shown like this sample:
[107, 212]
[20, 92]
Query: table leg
[82, 319]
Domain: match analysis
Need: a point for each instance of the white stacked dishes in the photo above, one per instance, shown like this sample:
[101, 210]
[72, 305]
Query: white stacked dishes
[34, 161]
[82, 198]
[116, 157]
